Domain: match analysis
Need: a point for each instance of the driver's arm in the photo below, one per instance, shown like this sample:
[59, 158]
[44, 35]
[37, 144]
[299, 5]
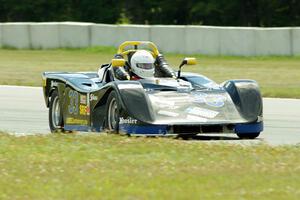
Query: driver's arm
[162, 68]
[120, 72]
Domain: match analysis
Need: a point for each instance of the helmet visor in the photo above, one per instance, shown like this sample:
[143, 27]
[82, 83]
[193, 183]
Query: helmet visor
[145, 65]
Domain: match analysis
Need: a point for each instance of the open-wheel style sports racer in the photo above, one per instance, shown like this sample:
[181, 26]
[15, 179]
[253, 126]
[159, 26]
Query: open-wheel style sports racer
[138, 93]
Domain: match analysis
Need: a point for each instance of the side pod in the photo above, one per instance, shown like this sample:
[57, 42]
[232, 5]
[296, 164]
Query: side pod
[134, 100]
[247, 98]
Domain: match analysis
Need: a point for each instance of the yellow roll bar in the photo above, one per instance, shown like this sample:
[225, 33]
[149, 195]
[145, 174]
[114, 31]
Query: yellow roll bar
[151, 45]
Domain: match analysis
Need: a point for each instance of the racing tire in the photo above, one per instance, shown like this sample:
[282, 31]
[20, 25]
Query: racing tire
[248, 135]
[55, 113]
[112, 113]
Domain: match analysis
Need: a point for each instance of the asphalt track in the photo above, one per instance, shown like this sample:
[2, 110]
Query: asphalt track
[23, 112]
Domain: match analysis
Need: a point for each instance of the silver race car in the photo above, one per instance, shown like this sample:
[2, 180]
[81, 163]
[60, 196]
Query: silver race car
[184, 104]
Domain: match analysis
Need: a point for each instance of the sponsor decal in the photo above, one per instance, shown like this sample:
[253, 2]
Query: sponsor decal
[199, 98]
[71, 120]
[168, 113]
[183, 89]
[185, 83]
[93, 97]
[73, 105]
[83, 110]
[196, 118]
[54, 84]
[162, 102]
[215, 100]
[83, 99]
[184, 86]
[167, 105]
[202, 112]
[128, 120]
[130, 86]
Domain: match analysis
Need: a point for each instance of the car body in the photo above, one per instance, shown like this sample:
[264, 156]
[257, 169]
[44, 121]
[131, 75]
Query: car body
[185, 105]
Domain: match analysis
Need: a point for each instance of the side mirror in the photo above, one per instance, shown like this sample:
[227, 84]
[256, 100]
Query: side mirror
[186, 61]
[189, 61]
[118, 62]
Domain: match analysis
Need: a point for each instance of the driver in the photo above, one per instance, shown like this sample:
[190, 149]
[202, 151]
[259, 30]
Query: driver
[143, 65]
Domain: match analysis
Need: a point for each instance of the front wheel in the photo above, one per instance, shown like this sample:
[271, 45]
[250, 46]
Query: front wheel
[55, 113]
[248, 135]
[112, 113]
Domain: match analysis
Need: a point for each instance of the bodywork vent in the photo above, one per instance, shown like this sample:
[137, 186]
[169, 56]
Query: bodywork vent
[186, 129]
[212, 129]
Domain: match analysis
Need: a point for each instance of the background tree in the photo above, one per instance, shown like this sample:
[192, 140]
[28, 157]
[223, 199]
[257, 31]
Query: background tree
[199, 12]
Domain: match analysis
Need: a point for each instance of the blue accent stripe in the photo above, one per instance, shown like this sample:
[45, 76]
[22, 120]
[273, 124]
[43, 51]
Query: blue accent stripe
[143, 129]
[77, 128]
[249, 128]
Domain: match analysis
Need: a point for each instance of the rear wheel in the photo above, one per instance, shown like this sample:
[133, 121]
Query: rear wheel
[248, 135]
[112, 113]
[55, 113]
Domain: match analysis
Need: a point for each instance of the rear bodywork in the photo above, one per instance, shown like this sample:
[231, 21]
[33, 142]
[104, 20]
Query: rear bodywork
[191, 104]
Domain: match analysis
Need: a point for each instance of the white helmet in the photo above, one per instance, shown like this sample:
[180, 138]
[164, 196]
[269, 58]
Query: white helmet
[142, 64]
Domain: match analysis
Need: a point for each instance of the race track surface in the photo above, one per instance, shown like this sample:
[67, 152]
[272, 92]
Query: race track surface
[23, 112]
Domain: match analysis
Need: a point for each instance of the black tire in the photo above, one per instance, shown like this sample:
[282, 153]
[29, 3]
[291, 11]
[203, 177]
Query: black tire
[55, 113]
[248, 135]
[112, 113]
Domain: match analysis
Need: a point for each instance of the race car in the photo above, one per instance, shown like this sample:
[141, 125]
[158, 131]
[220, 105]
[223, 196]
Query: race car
[185, 104]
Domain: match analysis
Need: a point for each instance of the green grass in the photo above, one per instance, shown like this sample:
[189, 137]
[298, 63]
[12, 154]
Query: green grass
[70, 166]
[277, 76]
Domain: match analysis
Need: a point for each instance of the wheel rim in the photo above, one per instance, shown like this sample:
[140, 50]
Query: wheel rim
[56, 113]
[112, 114]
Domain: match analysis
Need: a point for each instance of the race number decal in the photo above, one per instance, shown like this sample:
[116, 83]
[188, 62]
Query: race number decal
[73, 106]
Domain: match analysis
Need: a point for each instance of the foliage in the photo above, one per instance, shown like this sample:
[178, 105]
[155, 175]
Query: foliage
[206, 12]
[59, 10]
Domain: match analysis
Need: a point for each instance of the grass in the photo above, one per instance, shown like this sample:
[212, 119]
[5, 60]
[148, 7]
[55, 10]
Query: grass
[277, 76]
[70, 166]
